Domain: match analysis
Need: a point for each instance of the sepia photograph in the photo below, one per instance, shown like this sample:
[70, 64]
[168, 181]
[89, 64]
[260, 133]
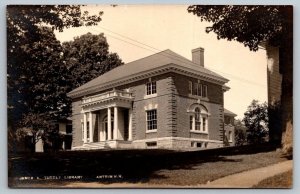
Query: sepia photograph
[150, 96]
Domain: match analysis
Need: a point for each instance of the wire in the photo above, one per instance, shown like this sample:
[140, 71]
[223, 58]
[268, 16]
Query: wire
[169, 55]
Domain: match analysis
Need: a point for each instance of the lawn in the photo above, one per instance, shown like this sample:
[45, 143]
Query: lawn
[155, 167]
[283, 180]
[202, 172]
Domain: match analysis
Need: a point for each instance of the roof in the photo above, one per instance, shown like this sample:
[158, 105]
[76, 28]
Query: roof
[143, 65]
[228, 112]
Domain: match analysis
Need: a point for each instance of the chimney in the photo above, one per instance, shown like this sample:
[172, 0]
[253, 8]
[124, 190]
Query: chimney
[198, 56]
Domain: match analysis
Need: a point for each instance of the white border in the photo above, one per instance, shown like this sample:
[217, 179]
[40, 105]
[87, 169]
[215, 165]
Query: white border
[3, 96]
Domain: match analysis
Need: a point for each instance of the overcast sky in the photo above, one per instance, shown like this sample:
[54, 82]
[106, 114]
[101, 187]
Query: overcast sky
[137, 31]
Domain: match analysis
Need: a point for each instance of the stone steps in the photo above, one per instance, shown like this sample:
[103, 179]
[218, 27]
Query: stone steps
[92, 146]
[113, 144]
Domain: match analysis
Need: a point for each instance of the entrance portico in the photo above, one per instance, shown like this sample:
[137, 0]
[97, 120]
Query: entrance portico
[107, 117]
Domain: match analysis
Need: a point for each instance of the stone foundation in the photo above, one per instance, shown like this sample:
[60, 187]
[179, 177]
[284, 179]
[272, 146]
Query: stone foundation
[176, 143]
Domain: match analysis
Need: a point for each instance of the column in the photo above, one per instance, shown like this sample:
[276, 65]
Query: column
[84, 128]
[63, 145]
[100, 129]
[109, 123]
[91, 127]
[130, 125]
[194, 123]
[116, 127]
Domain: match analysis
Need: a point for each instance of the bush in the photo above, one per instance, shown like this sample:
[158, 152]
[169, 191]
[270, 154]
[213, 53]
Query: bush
[256, 121]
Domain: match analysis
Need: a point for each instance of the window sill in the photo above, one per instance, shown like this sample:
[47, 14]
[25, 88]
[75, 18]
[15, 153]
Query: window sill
[151, 131]
[201, 132]
[150, 96]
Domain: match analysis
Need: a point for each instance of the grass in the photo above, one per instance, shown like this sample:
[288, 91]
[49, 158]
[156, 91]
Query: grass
[155, 167]
[284, 180]
[202, 172]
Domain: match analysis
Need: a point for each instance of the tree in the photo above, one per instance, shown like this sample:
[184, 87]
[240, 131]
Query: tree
[87, 57]
[35, 125]
[252, 25]
[35, 73]
[25, 35]
[256, 121]
[240, 133]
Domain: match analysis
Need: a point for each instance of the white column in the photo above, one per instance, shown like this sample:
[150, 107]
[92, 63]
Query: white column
[84, 128]
[116, 127]
[100, 128]
[91, 126]
[109, 123]
[194, 123]
[63, 145]
[130, 125]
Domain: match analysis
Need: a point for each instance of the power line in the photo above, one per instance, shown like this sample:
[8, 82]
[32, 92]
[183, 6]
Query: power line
[170, 55]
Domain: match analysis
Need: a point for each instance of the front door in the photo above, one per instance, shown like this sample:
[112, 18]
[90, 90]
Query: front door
[105, 127]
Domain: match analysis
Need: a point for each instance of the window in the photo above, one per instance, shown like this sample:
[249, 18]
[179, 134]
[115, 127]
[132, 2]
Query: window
[151, 88]
[198, 144]
[197, 89]
[197, 119]
[204, 91]
[151, 120]
[151, 144]
[82, 130]
[191, 122]
[190, 87]
[204, 123]
[88, 129]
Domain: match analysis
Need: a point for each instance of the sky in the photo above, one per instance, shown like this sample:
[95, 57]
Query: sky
[137, 31]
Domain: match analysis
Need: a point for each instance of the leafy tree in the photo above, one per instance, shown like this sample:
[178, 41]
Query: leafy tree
[256, 121]
[252, 25]
[28, 54]
[36, 75]
[240, 133]
[87, 57]
[35, 125]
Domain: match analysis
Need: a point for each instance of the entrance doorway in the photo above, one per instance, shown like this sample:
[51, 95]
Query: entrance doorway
[105, 127]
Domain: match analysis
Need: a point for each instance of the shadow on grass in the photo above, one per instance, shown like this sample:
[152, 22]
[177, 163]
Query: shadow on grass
[113, 166]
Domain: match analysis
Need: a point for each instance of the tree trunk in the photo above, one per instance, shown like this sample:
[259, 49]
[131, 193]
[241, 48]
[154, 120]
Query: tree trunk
[286, 69]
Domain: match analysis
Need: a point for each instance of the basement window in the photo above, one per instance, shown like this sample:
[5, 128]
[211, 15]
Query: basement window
[195, 144]
[151, 144]
[199, 145]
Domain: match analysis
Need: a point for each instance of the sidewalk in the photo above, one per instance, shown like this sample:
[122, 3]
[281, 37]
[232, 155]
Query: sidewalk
[247, 179]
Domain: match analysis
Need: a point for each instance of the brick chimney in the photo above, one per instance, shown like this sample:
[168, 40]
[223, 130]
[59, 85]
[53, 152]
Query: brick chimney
[198, 56]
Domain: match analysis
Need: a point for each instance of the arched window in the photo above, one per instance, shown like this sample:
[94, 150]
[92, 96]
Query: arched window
[199, 119]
